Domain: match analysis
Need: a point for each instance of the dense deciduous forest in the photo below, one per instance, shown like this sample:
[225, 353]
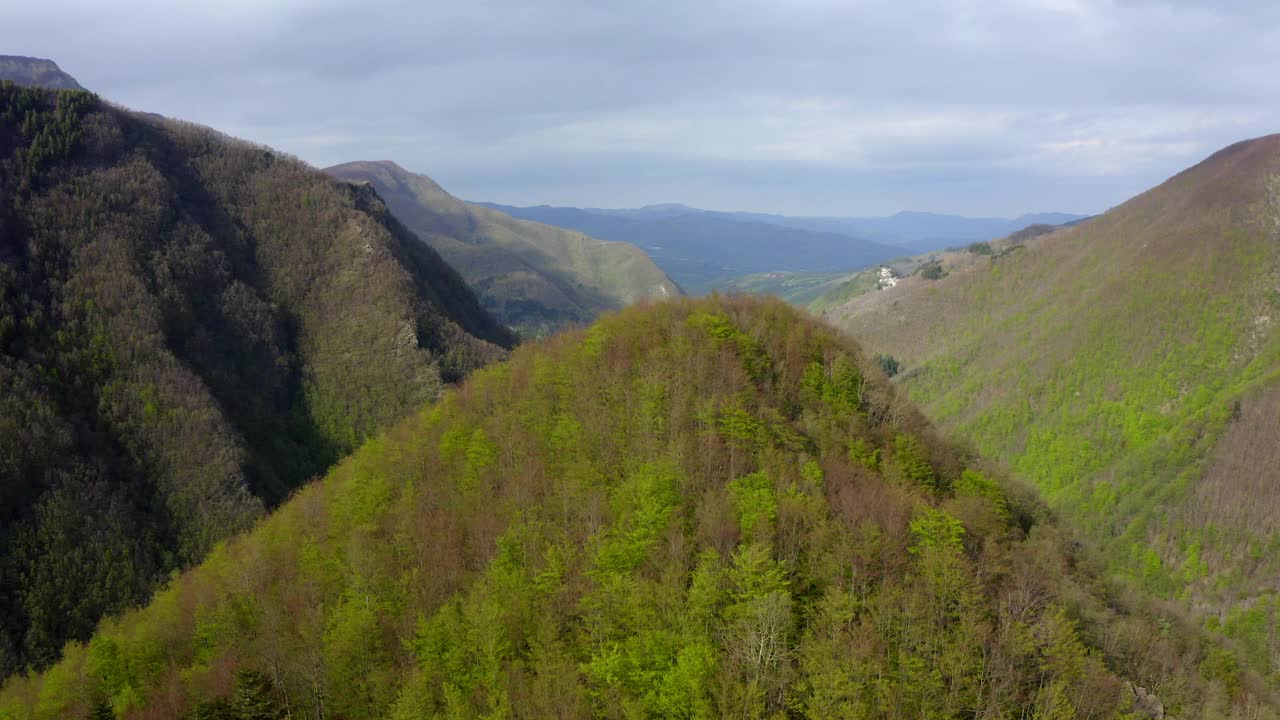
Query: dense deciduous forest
[697, 509]
[190, 328]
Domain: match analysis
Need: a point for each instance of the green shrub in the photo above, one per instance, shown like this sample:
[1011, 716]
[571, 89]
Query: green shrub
[912, 461]
[935, 529]
[888, 363]
[932, 270]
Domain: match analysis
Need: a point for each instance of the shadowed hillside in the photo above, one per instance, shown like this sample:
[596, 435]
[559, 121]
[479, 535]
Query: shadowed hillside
[534, 277]
[190, 327]
[1128, 367]
[691, 510]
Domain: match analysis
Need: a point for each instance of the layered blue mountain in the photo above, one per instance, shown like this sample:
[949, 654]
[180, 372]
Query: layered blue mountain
[705, 249]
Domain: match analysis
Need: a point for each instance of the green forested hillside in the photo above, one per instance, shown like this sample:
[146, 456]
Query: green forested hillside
[190, 327]
[534, 277]
[1129, 368]
[691, 510]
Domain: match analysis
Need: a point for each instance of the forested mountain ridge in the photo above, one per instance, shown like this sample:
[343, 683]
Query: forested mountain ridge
[190, 327]
[1130, 368]
[694, 509]
[534, 277]
[35, 72]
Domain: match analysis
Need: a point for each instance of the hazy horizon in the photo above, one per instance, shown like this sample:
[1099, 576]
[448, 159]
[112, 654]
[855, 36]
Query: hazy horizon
[879, 215]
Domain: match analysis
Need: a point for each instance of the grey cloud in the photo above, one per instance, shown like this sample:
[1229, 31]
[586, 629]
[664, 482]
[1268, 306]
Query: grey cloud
[984, 107]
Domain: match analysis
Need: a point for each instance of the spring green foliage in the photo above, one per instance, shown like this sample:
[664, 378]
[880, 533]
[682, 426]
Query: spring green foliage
[973, 483]
[740, 427]
[572, 534]
[754, 361]
[753, 499]
[911, 461]
[644, 505]
[865, 454]
[1107, 363]
[935, 530]
[190, 328]
[838, 384]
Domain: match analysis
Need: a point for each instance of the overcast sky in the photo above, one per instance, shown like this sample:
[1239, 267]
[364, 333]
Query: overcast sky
[978, 107]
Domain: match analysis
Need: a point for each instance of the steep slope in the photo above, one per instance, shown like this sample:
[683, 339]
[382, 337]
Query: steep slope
[691, 510]
[1128, 367]
[534, 277]
[190, 327]
[705, 250]
[35, 72]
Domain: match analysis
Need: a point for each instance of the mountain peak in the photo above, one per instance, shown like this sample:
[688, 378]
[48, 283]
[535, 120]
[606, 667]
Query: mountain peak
[36, 72]
[1266, 144]
[1246, 158]
[386, 171]
[388, 164]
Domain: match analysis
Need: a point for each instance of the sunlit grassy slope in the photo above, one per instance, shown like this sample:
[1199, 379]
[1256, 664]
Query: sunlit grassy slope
[1127, 367]
[691, 510]
[534, 277]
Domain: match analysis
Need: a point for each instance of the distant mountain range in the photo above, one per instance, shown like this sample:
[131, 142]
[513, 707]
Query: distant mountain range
[533, 277]
[708, 249]
[36, 72]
